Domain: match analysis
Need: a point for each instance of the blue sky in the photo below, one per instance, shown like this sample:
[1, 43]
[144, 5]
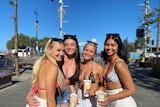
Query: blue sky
[88, 19]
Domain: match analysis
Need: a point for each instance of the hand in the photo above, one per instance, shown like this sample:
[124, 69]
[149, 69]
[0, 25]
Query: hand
[33, 102]
[91, 92]
[103, 101]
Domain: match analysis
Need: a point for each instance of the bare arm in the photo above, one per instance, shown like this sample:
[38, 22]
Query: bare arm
[126, 81]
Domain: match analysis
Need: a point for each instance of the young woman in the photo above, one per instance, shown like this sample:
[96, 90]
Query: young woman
[47, 77]
[92, 71]
[70, 67]
[119, 84]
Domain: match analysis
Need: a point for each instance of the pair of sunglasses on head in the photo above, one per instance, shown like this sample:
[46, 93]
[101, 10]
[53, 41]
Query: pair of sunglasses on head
[113, 34]
[65, 37]
[70, 36]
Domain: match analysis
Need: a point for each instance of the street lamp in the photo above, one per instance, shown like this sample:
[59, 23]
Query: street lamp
[36, 28]
[61, 12]
[146, 10]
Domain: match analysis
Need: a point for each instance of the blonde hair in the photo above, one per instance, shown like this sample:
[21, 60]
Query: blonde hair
[92, 44]
[38, 63]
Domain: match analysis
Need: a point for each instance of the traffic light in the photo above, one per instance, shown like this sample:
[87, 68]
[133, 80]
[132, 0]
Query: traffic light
[152, 42]
[140, 33]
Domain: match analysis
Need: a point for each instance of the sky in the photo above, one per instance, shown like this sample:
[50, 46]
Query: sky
[88, 19]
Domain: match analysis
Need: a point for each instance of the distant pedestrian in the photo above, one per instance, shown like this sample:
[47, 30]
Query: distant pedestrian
[119, 83]
[142, 57]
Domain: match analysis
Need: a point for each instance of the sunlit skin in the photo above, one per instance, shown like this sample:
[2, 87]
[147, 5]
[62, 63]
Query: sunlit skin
[57, 52]
[70, 47]
[47, 77]
[88, 54]
[68, 66]
[111, 48]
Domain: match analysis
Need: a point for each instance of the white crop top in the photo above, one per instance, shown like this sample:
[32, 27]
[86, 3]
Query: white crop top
[112, 76]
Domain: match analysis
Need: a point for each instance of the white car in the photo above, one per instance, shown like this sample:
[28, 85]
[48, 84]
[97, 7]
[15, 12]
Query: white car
[2, 54]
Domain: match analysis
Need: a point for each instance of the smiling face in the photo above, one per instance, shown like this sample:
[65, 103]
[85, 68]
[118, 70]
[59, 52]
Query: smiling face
[57, 51]
[70, 46]
[89, 51]
[111, 47]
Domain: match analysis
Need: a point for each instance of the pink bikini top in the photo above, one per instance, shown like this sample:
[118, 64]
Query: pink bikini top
[35, 88]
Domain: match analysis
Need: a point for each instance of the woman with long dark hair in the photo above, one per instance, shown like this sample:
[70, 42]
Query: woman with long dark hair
[119, 84]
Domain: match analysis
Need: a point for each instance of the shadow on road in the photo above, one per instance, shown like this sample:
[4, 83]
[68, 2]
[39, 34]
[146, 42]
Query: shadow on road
[144, 77]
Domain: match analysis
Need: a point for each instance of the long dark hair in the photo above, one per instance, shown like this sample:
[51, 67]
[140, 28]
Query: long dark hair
[121, 51]
[77, 53]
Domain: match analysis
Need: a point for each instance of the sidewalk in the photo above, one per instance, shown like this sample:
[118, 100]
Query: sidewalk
[14, 95]
[147, 85]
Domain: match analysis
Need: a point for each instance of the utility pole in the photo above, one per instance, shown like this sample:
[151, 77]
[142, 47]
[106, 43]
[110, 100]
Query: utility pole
[61, 12]
[146, 10]
[36, 28]
[16, 38]
[158, 34]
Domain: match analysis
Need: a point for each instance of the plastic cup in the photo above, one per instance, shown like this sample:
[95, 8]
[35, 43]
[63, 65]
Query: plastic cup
[100, 94]
[100, 97]
[73, 100]
[87, 86]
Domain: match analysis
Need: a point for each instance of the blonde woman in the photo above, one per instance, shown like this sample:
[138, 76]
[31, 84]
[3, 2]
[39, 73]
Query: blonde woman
[47, 77]
[92, 71]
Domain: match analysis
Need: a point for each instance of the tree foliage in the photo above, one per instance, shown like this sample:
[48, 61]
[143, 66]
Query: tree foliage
[43, 42]
[153, 17]
[24, 41]
[139, 43]
[131, 47]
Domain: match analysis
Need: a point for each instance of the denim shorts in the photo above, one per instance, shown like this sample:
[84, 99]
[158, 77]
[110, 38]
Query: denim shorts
[64, 98]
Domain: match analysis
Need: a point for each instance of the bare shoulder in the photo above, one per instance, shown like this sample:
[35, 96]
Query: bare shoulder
[121, 66]
[120, 63]
[97, 66]
[49, 66]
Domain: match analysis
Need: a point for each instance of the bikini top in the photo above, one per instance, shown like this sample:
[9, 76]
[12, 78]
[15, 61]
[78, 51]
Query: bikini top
[91, 76]
[74, 78]
[36, 88]
[112, 76]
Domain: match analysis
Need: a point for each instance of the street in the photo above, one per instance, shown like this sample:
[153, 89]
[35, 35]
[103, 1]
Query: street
[147, 87]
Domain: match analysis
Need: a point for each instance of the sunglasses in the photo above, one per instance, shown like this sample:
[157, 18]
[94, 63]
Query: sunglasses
[56, 40]
[69, 36]
[92, 43]
[113, 34]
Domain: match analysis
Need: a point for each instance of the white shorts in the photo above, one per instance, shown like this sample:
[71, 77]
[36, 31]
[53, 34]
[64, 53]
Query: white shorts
[125, 102]
[83, 102]
[42, 102]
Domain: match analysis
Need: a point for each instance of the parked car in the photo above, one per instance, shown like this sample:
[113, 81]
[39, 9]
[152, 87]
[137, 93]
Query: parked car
[2, 55]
